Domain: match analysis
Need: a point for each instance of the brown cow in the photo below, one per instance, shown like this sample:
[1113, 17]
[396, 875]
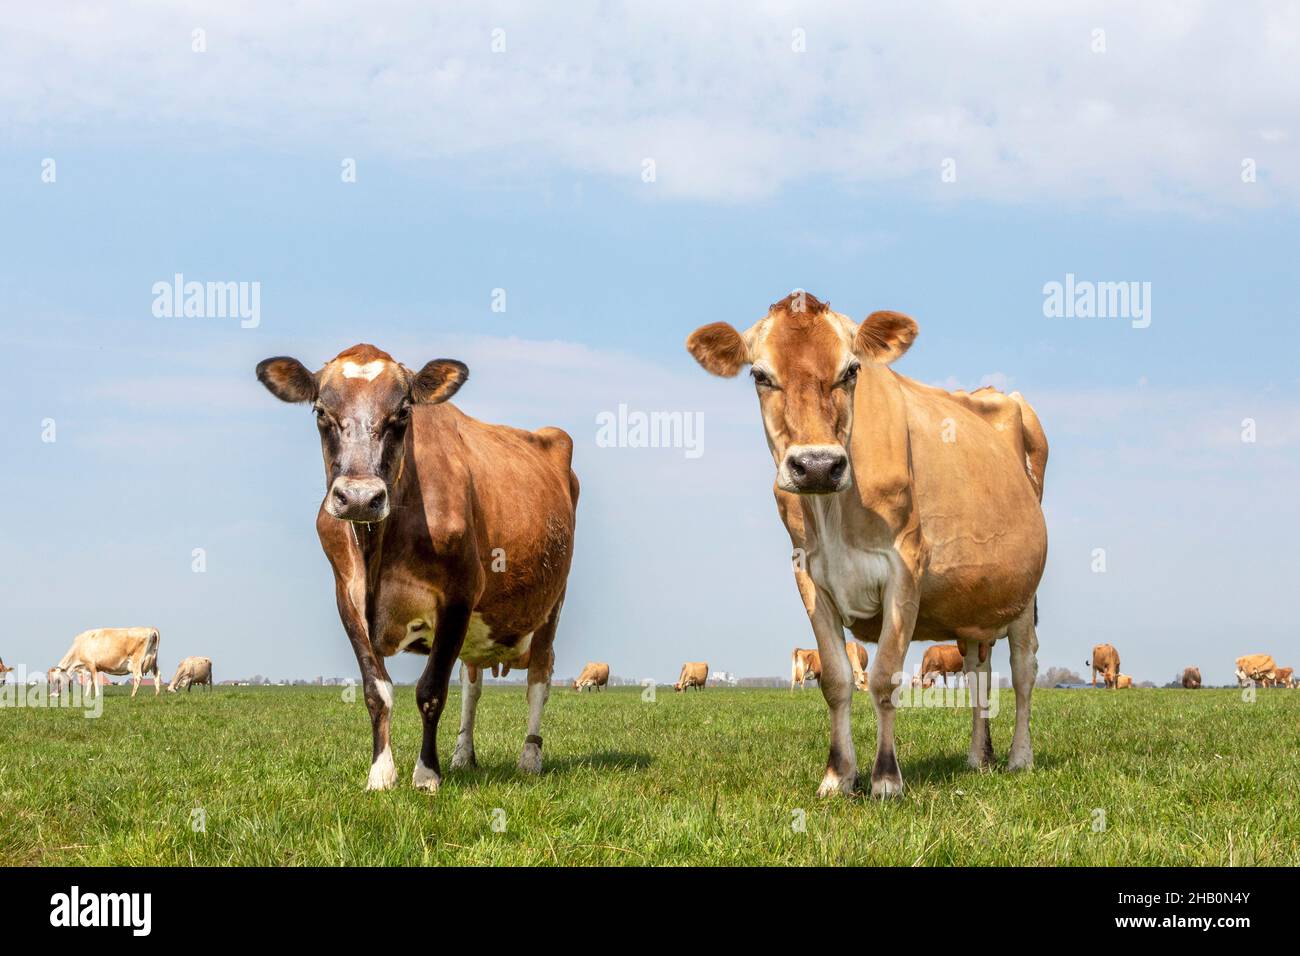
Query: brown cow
[1192, 678]
[447, 536]
[3, 669]
[1106, 660]
[941, 659]
[111, 650]
[593, 677]
[694, 674]
[914, 512]
[1284, 677]
[192, 670]
[1123, 682]
[858, 663]
[804, 666]
[1256, 669]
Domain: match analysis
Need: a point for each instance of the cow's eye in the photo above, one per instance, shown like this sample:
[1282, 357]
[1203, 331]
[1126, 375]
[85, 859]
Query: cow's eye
[850, 374]
[761, 378]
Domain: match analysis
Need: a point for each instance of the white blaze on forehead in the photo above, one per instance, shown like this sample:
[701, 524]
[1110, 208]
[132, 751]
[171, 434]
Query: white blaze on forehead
[370, 371]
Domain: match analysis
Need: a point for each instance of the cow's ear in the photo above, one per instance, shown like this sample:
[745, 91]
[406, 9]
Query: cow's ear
[438, 381]
[884, 336]
[287, 379]
[719, 348]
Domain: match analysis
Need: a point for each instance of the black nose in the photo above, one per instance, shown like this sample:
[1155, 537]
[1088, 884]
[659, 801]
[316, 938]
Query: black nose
[359, 499]
[817, 471]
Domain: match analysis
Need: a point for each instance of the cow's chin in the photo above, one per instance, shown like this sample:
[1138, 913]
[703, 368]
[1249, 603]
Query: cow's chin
[366, 519]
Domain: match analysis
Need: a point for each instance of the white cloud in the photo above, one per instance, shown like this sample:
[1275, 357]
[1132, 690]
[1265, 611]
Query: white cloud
[1164, 117]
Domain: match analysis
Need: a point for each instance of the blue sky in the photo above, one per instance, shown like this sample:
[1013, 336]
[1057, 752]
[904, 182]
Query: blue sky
[522, 170]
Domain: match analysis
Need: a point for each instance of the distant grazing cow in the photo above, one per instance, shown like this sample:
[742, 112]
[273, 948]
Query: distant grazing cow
[1105, 659]
[941, 660]
[111, 650]
[447, 536]
[901, 531]
[4, 670]
[1256, 668]
[858, 662]
[192, 670]
[693, 675]
[594, 676]
[1123, 682]
[804, 666]
[1192, 678]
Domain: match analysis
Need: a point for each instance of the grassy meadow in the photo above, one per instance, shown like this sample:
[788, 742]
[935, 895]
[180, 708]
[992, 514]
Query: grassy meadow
[276, 775]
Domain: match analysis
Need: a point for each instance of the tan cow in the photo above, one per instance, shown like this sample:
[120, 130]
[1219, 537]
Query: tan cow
[1256, 669]
[694, 674]
[594, 676]
[1285, 677]
[448, 537]
[4, 670]
[941, 660]
[1106, 660]
[914, 511]
[1123, 682]
[111, 650]
[858, 663]
[804, 666]
[1192, 678]
[192, 670]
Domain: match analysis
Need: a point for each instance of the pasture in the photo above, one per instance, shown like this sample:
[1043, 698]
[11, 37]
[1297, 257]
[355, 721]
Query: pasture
[275, 776]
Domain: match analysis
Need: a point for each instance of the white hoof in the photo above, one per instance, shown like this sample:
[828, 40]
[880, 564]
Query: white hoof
[1021, 760]
[383, 774]
[425, 779]
[530, 761]
[463, 757]
[833, 784]
[887, 788]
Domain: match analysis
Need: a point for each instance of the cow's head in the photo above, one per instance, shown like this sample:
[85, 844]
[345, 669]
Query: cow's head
[362, 401]
[805, 360]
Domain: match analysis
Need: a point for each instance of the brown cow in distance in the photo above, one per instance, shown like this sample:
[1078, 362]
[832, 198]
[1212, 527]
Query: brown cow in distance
[1282, 677]
[111, 650]
[891, 492]
[447, 536]
[192, 670]
[804, 666]
[1192, 678]
[858, 663]
[694, 674]
[4, 670]
[1256, 668]
[593, 677]
[1123, 682]
[941, 659]
[1106, 660]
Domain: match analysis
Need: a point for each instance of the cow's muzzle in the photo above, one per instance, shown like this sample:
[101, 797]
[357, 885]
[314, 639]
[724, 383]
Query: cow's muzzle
[358, 499]
[814, 470]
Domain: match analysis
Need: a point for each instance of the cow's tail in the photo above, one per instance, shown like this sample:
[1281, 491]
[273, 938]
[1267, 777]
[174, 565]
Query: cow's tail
[1035, 610]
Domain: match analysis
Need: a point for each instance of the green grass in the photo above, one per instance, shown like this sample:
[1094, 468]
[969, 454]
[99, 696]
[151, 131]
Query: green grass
[714, 777]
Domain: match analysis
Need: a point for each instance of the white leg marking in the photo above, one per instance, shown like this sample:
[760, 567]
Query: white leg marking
[530, 761]
[385, 689]
[423, 778]
[382, 772]
[464, 753]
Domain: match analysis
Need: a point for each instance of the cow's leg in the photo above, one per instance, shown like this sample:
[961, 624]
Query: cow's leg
[1024, 669]
[541, 659]
[431, 691]
[898, 609]
[471, 686]
[978, 667]
[837, 688]
[376, 685]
